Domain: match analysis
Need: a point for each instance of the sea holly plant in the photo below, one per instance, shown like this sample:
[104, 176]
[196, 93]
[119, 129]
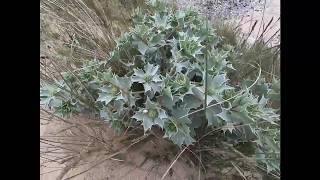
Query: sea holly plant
[190, 46]
[48, 94]
[178, 129]
[67, 108]
[109, 93]
[117, 88]
[162, 22]
[159, 76]
[217, 62]
[215, 87]
[181, 85]
[151, 115]
[150, 78]
[274, 92]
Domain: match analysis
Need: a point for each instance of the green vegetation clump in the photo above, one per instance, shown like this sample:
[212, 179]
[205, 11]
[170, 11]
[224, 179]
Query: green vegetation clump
[171, 72]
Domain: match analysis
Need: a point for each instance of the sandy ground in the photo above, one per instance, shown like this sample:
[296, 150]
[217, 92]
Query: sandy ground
[221, 9]
[261, 11]
[70, 152]
[272, 11]
[148, 159]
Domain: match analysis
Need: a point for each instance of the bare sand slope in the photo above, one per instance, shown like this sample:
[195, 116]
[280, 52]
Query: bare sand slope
[272, 11]
[75, 153]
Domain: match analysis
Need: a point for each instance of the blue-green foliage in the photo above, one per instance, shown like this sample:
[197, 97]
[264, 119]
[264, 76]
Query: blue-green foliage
[164, 60]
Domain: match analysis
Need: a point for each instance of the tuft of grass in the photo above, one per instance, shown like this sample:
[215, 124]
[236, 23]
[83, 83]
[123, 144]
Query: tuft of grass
[76, 31]
[261, 51]
[228, 31]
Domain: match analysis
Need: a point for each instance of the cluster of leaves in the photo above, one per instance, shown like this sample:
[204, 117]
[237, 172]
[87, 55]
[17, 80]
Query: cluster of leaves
[163, 71]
